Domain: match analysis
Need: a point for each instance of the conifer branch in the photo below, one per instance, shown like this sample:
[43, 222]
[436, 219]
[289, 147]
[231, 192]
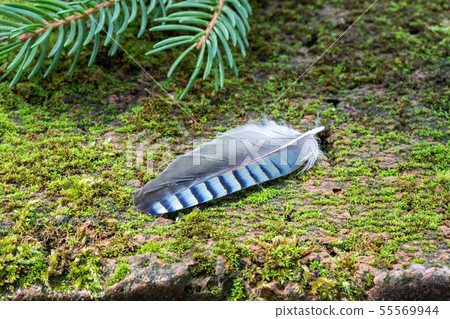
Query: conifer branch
[38, 30]
[211, 25]
[227, 22]
[31, 27]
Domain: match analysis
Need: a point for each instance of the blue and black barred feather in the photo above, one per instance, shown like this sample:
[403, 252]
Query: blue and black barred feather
[237, 159]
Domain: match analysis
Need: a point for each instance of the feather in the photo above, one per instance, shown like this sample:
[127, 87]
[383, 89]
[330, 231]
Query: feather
[237, 159]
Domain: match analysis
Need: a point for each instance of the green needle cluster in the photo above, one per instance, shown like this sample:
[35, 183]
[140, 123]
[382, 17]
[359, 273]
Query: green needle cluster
[41, 30]
[214, 23]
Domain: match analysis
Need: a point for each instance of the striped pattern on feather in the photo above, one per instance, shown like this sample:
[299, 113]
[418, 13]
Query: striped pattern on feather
[237, 159]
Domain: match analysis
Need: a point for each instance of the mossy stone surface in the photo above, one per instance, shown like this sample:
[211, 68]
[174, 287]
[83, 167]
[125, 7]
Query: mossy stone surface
[375, 204]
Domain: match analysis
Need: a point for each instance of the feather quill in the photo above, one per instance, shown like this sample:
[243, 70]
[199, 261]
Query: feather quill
[237, 159]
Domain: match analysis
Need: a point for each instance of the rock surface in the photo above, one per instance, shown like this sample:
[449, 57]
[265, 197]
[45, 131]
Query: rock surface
[162, 281]
[369, 221]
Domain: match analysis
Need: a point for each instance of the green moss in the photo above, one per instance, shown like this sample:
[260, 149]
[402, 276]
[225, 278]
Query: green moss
[368, 281]
[22, 263]
[122, 270]
[380, 193]
[324, 288]
[418, 261]
[204, 266]
[85, 273]
[238, 291]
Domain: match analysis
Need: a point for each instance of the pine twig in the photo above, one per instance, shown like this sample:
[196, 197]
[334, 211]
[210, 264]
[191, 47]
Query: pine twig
[228, 23]
[211, 25]
[78, 16]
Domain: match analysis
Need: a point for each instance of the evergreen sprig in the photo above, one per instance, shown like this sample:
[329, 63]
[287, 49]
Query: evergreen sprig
[41, 29]
[223, 21]
[76, 25]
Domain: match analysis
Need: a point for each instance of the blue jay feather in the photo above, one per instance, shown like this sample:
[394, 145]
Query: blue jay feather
[237, 159]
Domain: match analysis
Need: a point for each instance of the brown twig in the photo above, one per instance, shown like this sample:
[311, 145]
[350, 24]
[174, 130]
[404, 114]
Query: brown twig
[211, 25]
[67, 20]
